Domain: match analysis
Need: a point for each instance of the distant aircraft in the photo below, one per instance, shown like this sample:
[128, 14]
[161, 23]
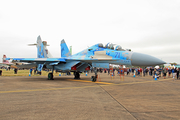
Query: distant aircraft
[5, 62]
[96, 56]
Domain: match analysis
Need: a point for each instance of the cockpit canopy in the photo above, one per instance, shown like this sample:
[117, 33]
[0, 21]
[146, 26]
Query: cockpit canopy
[111, 46]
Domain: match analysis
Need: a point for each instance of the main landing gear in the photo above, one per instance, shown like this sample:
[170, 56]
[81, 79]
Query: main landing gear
[50, 76]
[76, 75]
[93, 78]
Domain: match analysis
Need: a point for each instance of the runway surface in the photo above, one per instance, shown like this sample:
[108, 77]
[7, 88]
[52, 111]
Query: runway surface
[139, 98]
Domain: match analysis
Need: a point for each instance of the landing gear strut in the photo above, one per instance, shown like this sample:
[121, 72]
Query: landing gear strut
[93, 78]
[76, 75]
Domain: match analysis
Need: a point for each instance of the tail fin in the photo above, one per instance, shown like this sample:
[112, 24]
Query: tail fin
[41, 53]
[4, 59]
[64, 49]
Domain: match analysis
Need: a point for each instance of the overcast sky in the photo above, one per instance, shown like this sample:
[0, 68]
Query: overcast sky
[146, 26]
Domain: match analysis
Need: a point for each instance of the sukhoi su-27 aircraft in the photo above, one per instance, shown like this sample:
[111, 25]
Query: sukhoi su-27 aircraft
[96, 56]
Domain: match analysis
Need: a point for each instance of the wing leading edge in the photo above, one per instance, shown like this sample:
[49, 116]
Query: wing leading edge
[39, 60]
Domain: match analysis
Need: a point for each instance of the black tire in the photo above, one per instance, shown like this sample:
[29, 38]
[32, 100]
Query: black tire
[50, 76]
[93, 79]
[76, 75]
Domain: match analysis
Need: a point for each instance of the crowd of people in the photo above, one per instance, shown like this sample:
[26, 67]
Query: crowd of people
[151, 71]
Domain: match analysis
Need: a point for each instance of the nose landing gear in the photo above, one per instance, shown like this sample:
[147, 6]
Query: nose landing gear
[94, 78]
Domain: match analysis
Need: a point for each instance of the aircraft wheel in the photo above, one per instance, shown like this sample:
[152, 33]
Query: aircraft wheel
[93, 79]
[50, 76]
[76, 75]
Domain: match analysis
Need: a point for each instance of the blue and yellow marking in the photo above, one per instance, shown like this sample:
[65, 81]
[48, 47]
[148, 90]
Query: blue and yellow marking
[90, 81]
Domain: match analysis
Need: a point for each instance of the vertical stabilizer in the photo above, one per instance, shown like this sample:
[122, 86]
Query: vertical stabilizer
[64, 49]
[70, 50]
[41, 51]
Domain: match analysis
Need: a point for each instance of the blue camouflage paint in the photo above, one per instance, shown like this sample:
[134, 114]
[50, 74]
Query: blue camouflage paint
[40, 51]
[39, 67]
[24, 59]
[94, 56]
[118, 57]
[64, 49]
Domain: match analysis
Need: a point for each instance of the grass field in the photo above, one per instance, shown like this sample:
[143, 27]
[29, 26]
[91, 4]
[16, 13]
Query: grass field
[24, 73]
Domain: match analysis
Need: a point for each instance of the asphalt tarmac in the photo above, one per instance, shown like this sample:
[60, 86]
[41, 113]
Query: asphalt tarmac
[131, 98]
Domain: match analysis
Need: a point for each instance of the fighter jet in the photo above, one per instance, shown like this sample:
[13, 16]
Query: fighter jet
[96, 56]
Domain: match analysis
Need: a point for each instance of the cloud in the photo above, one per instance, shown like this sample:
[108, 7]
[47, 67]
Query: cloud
[150, 27]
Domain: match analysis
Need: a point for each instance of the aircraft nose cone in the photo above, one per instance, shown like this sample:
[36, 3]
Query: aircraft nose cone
[139, 59]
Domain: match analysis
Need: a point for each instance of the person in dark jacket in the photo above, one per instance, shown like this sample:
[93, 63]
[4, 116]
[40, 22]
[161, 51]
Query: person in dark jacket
[174, 71]
[177, 73]
[169, 71]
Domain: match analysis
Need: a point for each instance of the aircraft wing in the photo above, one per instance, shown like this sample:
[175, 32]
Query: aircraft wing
[5, 65]
[39, 60]
[53, 60]
[25, 66]
[68, 62]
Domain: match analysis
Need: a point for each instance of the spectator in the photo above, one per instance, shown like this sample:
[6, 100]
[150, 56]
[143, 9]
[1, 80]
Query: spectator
[144, 71]
[174, 73]
[160, 70]
[15, 71]
[164, 72]
[139, 70]
[169, 71]
[127, 71]
[132, 71]
[0, 72]
[151, 70]
[177, 73]
[155, 71]
[31, 71]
